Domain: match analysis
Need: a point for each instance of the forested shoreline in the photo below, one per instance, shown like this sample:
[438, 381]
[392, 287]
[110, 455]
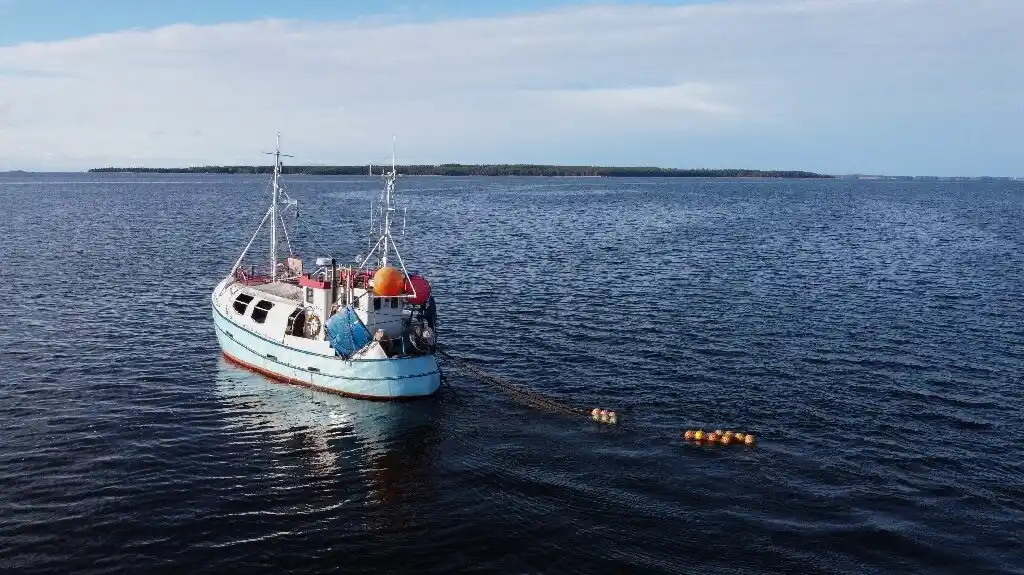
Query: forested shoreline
[483, 170]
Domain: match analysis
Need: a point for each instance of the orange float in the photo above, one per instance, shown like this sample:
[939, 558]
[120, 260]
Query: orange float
[388, 281]
[718, 436]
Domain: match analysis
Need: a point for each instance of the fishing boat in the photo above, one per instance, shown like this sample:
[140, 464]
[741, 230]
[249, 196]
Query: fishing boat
[366, 331]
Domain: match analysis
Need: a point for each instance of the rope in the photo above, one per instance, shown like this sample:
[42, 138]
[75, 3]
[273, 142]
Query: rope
[539, 400]
[516, 392]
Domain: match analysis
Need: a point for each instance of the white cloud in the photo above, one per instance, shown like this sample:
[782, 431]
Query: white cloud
[599, 84]
[679, 99]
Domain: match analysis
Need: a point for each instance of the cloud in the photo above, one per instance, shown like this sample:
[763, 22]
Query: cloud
[681, 99]
[771, 80]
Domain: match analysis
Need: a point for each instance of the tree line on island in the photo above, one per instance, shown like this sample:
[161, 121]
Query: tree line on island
[484, 170]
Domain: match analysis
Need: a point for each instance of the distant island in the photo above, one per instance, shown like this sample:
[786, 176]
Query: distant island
[484, 170]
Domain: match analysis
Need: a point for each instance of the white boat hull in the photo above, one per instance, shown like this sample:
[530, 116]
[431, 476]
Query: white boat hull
[379, 379]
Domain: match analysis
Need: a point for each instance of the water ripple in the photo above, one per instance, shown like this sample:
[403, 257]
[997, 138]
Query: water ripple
[869, 332]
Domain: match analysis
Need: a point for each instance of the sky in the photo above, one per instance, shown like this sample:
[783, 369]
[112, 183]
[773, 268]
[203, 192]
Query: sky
[900, 87]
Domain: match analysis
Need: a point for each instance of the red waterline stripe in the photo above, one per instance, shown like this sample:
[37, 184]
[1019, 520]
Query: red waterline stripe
[284, 379]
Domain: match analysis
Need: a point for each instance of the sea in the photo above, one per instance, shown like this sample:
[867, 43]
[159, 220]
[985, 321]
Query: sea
[870, 333]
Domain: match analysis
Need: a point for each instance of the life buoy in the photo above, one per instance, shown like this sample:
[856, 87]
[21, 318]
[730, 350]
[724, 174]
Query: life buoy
[313, 324]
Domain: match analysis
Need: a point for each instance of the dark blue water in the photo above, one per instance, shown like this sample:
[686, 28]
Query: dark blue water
[870, 333]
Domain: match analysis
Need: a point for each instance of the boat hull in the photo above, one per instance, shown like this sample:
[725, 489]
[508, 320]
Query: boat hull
[383, 379]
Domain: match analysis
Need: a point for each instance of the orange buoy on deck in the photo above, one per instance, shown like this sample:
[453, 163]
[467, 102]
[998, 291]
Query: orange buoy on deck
[388, 281]
[421, 286]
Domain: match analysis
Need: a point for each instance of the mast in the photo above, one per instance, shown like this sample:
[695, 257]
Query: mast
[274, 198]
[273, 211]
[277, 193]
[388, 207]
[385, 246]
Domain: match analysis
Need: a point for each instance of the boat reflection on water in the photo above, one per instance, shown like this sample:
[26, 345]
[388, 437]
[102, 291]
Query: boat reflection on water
[392, 445]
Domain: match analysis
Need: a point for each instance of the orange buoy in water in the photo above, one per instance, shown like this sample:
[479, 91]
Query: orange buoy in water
[718, 436]
[388, 281]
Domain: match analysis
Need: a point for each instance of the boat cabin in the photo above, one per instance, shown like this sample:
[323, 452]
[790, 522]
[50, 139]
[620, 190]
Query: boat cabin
[300, 305]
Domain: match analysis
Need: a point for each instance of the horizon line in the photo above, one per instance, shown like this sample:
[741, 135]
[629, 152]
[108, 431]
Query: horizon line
[198, 168]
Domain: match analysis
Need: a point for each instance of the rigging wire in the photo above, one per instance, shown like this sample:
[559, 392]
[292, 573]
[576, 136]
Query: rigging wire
[287, 239]
[247, 246]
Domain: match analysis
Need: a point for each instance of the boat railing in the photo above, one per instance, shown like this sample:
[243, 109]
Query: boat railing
[251, 277]
[258, 277]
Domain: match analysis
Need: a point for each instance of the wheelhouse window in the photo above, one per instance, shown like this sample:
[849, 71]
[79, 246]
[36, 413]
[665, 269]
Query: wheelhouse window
[376, 304]
[394, 303]
[259, 311]
[309, 295]
[241, 303]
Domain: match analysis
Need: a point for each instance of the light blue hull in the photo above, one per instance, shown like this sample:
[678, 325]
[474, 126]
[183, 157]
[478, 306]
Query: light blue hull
[382, 379]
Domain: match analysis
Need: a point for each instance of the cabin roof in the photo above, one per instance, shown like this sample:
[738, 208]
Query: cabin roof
[282, 290]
